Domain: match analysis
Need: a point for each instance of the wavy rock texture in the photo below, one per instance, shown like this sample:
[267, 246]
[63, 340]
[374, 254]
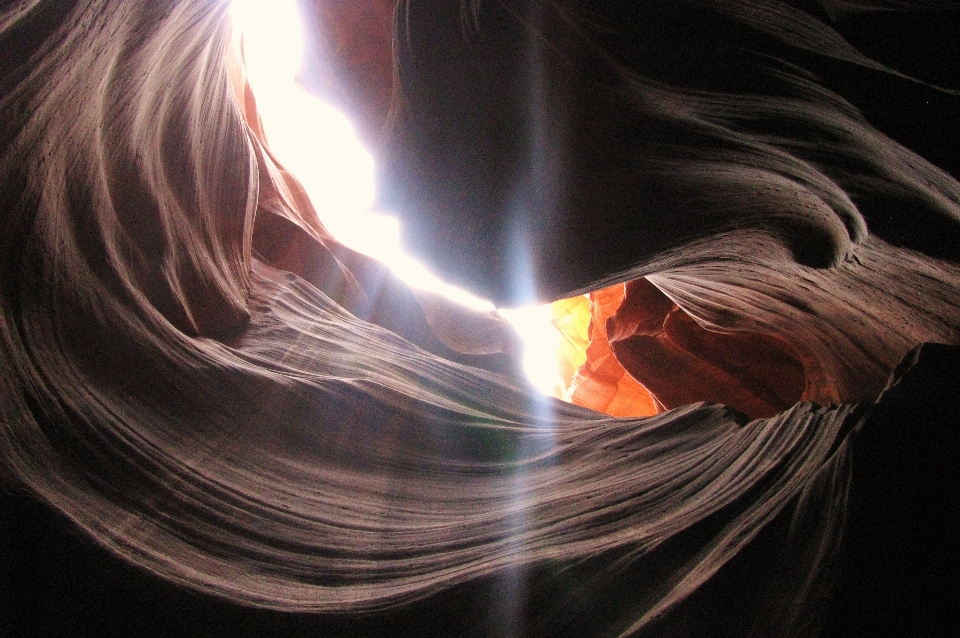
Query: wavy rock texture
[201, 380]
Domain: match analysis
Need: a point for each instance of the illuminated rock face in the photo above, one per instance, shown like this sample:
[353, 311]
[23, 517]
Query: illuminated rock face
[601, 383]
[680, 362]
[202, 381]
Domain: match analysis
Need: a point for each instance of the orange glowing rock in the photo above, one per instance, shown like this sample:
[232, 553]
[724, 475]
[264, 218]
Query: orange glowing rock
[681, 362]
[600, 382]
[636, 352]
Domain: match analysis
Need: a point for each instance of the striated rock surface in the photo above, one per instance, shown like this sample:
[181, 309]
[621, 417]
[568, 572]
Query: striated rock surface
[203, 383]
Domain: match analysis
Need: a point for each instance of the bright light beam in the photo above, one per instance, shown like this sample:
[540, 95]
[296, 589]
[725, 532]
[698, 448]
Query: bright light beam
[542, 343]
[318, 144]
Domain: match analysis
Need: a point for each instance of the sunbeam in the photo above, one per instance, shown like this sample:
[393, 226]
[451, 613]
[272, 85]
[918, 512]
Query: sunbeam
[319, 145]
